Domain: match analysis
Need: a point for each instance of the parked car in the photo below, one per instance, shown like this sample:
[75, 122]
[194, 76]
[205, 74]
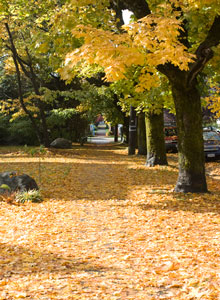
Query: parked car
[211, 144]
[171, 138]
[211, 141]
[211, 128]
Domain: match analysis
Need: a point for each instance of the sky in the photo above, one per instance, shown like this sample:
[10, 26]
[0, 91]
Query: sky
[126, 15]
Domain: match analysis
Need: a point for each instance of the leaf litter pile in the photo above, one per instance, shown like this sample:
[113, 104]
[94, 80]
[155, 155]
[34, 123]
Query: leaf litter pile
[109, 228]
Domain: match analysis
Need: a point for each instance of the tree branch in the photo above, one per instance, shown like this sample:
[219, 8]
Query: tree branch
[117, 7]
[213, 36]
[140, 8]
[204, 52]
[13, 49]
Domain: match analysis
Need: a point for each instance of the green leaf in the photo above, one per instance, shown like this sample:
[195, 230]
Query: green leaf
[5, 187]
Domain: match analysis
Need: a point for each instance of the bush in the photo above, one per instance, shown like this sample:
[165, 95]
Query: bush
[66, 123]
[20, 132]
[4, 132]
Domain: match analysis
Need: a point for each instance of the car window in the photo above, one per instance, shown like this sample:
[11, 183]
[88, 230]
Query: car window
[211, 135]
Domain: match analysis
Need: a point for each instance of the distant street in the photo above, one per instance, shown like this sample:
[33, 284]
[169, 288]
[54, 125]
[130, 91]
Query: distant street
[100, 136]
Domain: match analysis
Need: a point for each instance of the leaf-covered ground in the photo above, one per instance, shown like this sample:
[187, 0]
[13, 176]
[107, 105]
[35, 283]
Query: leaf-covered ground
[109, 228]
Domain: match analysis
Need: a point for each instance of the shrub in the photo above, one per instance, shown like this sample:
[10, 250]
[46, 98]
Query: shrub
[20, 132]
[4, 124]
[66, 123]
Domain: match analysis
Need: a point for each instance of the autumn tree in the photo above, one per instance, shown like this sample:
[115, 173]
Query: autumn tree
[199, 39]
[176, 38]
[19, 21]
[24, 32]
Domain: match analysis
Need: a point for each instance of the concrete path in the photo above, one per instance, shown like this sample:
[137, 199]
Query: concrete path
[100, 140]
[100, 137]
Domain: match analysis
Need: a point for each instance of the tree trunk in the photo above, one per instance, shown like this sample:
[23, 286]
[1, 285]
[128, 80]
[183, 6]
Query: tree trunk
[116, 133]
[142, 146]
[190, 147]
[132, 132]
[156, 152]
[126, 130]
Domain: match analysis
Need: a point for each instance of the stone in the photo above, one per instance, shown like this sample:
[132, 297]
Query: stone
[61, 143]
[16, 182]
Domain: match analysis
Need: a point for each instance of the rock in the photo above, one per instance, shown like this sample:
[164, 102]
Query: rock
[61, 143]
[16, 182]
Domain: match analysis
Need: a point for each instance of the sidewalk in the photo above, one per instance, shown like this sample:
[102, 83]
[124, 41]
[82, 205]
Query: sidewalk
[100, 137]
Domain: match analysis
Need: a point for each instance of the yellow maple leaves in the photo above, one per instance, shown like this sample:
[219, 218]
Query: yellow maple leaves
[13, 107]
[158, 36]
[149, 42]
[105, 49]
[189, 5]
[213, 101]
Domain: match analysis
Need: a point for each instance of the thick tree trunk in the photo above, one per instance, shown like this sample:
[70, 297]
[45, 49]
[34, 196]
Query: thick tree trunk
[142, 146]
[132, 132]
[156, 152]
[190, 147]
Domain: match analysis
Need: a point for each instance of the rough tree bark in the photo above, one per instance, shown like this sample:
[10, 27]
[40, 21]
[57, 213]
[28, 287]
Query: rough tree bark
[191, 154]
[156, 153]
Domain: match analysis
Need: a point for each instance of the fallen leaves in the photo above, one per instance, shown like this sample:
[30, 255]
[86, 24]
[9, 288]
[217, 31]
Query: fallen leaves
[110, 228]
[166, 267]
